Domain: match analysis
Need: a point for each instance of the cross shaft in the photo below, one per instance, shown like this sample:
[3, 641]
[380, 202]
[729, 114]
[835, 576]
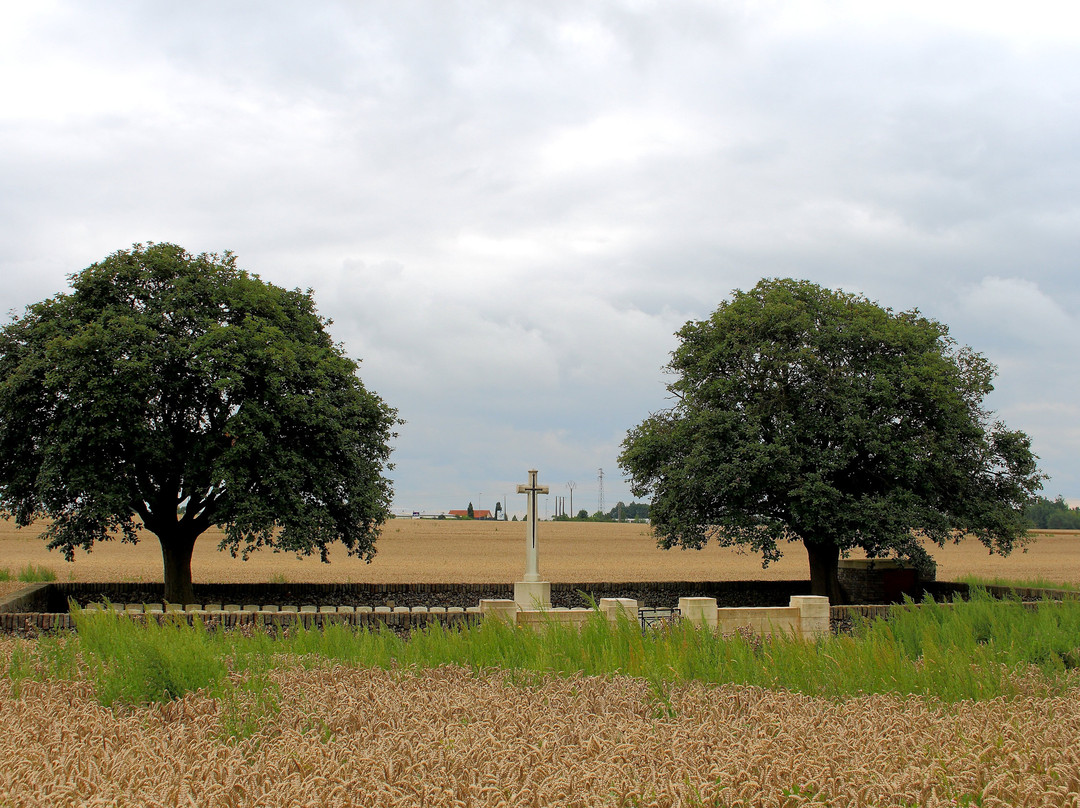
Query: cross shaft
[532, 560]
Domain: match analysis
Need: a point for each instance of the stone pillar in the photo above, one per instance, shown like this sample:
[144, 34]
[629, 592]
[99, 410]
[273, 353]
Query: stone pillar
[532, 595]
[612, 607]
[699, 611]
[814, 614]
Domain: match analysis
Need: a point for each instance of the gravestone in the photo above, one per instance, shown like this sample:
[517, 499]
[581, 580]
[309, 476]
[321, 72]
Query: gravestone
[531, 592]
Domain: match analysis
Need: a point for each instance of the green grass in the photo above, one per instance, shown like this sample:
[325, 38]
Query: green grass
[980, 649]
[129, 662]
[29, 574]
[1021, 583]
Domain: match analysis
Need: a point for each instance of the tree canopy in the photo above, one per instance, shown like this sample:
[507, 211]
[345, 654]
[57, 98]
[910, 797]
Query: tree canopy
[807, 414]
[621, 512]
[1052, 514]
[633, 511]
[176, 391]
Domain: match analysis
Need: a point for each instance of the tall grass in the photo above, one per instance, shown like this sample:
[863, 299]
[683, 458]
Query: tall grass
[980, 649]
[129, 662]
[1019, 583]
[28, 574]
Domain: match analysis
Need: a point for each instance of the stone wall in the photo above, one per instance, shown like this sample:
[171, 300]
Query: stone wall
[31, 598]
[402, 620]
[53, 597]
[806, 617]
[879, 580]
[19, 615]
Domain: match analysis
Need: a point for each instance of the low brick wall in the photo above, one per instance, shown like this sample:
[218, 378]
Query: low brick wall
[53, 597]
[29, 599]
[34, 623]
[43, 606]
[879, 580]
[30, 624]
[843, 618]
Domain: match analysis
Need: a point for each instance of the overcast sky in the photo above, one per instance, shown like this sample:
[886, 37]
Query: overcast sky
[508, 208]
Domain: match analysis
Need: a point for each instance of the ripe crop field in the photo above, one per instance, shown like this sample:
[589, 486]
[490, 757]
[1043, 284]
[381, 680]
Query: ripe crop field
[434, 551]
[347, 736]
[311, 731]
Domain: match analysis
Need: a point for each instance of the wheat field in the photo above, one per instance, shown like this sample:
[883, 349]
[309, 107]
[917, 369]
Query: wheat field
[347, 736]
[453, 551]
[355, 736]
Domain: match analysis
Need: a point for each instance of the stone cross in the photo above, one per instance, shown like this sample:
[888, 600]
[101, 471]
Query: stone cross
[532, 560]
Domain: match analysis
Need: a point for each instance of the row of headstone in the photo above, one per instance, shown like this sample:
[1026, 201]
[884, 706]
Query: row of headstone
[218, 608]
[532, 592]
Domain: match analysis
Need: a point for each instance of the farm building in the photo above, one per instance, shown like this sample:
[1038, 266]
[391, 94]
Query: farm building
[464, 514]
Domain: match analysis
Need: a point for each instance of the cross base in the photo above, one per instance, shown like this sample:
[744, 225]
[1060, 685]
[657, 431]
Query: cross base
[533, 594]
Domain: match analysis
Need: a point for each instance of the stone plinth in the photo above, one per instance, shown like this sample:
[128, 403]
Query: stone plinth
[537, 618]
[814, 613]
[699, 611]
[613, 607]
[533, 594]
[506, 610]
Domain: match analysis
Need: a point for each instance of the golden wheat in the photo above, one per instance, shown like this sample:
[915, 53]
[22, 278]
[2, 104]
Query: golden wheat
[428, 551]
[352, 736]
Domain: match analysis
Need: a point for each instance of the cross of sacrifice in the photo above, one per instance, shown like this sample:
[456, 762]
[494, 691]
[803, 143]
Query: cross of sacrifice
[532, 561]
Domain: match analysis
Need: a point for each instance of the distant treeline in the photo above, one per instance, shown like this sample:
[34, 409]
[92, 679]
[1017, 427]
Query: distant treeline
[1045, 514]
[635, 511]
[1053, 514]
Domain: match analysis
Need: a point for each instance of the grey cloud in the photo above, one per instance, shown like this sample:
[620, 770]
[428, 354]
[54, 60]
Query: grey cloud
[509, 208]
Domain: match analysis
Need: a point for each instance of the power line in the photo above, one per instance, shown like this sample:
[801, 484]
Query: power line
[600, 489]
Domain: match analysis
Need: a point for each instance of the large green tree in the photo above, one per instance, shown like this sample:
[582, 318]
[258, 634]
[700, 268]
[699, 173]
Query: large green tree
[818, 416]
[174, 392]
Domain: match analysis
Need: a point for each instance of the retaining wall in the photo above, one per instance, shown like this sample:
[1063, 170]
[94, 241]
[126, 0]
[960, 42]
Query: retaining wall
[43, 607]
[53, 597]
[31, 624]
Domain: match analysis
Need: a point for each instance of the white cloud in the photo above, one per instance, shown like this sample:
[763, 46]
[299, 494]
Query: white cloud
[508, 209]
[1023, 316]
[613, 140]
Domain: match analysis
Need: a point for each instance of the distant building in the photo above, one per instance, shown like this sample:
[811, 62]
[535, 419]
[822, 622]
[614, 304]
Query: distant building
[464, 514]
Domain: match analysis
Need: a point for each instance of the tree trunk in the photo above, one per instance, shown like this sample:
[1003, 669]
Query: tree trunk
[824, 561]
[176, 554]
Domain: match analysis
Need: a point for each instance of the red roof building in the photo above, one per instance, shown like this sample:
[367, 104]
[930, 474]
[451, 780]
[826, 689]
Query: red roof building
[477, 514]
